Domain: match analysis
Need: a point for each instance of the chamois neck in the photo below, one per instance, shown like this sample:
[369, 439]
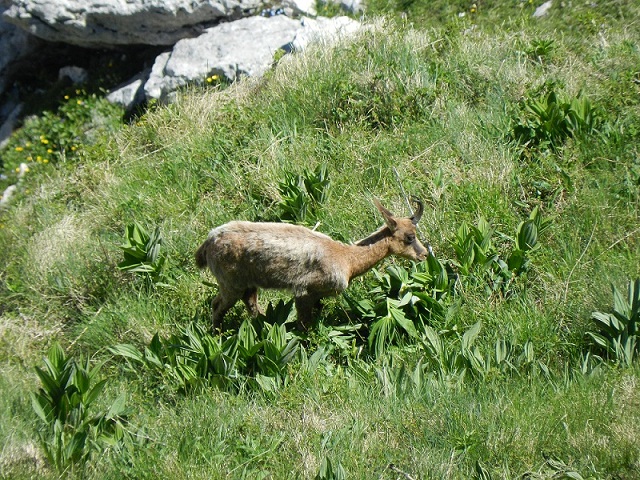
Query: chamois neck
[375, 237]
[366, 253]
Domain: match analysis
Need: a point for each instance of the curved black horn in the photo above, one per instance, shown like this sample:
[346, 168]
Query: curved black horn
[417, 215]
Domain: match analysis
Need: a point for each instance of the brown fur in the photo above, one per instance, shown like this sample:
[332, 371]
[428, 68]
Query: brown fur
[246, 256]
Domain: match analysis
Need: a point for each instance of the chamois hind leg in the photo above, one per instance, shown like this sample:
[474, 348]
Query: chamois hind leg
[250, 299]
[221, 304]
[304, 309]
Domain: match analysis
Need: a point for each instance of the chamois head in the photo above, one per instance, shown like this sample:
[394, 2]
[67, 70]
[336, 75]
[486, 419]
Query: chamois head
[404, 241]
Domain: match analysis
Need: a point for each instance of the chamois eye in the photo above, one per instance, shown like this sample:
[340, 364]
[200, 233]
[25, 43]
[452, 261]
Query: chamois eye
[408, 239]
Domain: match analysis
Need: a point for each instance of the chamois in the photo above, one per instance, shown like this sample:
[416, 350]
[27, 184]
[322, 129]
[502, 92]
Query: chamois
[245, 256]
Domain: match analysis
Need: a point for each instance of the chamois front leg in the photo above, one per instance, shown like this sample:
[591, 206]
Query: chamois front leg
[304, 310]
[220, 305]
[250, 299]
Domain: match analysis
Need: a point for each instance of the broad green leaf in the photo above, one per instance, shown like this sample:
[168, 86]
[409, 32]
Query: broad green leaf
[117, 408]
[470, 335]
[127, 351]
[36, 403]
[56, 357]
[95, 392]
[527, 236]
[620, 304]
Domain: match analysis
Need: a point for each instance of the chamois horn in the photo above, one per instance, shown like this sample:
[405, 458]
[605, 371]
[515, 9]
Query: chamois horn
[417, 215]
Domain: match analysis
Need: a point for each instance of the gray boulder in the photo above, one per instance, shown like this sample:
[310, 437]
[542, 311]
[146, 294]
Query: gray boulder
[131, 93]
[122, 22]
[543, 9]
[242, 48]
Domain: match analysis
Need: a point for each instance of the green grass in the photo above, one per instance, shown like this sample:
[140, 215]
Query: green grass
[431, 95]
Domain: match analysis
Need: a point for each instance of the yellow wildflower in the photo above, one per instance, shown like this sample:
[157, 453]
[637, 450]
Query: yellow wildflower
[66, 97]
[49, 150]
[19, 149]
[44, 141]
[39, 159]
[73, 148]
[79, 102]
[46, 160]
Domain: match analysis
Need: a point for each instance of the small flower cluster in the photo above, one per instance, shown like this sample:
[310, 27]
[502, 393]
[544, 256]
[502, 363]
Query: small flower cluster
[213, 79]
[42, 140]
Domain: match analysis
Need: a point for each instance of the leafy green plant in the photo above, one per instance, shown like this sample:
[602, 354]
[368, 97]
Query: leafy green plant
[257, 355]
[69, 431]
[473, 246]
[452, 356]
[303, 195]
[553, 467]
[538, 49]
[142, 253]
[265, 352]
[526, 241]
[342, 342]
[617, 332]
[402, 302]
[550, 121]
[479, 260]
[330, 471]
[449, 357]
[400, 381]
[186, 361]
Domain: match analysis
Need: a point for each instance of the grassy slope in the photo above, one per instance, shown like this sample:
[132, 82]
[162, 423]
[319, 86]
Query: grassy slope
[435, 98]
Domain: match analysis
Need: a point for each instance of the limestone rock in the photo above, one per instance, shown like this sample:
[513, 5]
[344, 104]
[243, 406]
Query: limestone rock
[543, 9]
[76, 75]
[235, 49]
[323, 29]
[299, 7]
[131, 93]
[9, 114]
[244, 47]
[103, 23]
[352, 6]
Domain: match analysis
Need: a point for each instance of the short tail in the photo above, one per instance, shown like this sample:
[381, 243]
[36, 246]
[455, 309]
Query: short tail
[201, 255]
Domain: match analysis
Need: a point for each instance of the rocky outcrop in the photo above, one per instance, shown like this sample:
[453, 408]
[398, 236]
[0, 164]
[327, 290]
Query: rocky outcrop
[122, 22]
[249, 51]
[243, 47]
[104, 23]
[204, 38]
[231, 50]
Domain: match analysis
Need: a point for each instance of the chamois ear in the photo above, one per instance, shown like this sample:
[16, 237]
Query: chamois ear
[388, 216]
